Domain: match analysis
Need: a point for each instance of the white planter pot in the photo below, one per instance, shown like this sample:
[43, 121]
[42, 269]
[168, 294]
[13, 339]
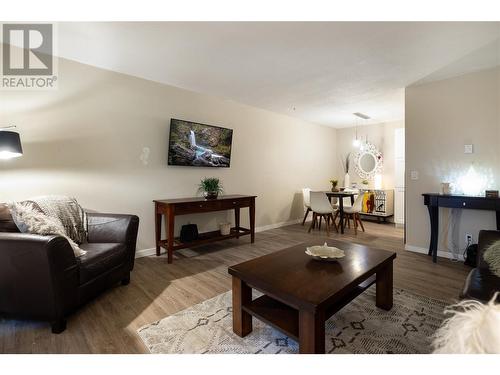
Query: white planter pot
[225, 228]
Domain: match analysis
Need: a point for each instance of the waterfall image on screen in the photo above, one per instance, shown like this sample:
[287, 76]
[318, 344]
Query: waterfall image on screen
[193, 144]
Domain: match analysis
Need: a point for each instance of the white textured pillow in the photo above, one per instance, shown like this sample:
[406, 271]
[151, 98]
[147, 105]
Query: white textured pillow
[492, 257]
[30, 220]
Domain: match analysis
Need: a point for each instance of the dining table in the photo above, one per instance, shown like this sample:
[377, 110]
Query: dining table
[341, 195]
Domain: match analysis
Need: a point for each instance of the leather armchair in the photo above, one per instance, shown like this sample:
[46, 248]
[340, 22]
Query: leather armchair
[481, 284]
[41, 278]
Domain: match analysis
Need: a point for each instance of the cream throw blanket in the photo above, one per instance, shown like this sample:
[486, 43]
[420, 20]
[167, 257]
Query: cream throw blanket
[56, 215]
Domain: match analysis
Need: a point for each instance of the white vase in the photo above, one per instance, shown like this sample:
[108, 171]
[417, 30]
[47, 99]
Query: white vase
[347, 180]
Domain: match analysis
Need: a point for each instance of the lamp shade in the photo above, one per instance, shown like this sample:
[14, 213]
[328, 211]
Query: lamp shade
[10, 145]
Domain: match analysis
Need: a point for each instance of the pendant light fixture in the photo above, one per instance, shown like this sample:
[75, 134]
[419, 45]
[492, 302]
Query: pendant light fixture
[357, 141]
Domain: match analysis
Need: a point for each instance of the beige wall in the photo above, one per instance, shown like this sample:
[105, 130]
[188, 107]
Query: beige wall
[440, 118]
[382, 136]
[85, 139]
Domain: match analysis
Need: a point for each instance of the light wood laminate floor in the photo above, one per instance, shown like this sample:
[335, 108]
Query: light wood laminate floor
[109, 323]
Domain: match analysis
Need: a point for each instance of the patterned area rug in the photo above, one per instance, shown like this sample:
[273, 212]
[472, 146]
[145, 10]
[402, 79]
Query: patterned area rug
[360, 327]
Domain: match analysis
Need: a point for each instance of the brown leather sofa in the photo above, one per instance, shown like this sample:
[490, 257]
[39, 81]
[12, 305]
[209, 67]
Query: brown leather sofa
[41, 278]
[481, 284]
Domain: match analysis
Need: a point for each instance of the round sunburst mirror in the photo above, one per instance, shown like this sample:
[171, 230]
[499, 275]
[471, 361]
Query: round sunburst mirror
[368, 161]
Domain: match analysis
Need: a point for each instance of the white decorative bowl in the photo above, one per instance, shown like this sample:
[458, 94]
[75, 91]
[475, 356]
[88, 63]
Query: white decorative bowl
[325, 252]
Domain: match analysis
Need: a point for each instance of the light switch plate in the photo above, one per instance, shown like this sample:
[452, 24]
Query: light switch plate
[468, 149]
[414, 175]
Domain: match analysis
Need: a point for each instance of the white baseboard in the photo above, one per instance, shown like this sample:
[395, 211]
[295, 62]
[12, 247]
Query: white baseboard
[146, 252]
[152, 251]
[422, 250]
[277, 225]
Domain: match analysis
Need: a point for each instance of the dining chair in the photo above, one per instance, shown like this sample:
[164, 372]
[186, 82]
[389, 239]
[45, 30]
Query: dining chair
[353, 213]
[321, 208]
[306, 199]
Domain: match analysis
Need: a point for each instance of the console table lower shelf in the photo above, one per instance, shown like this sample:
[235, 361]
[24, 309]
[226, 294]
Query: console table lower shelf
[170, 208]
[207, 237]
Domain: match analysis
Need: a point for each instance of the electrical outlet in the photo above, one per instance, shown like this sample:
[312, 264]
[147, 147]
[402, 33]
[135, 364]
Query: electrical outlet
[468, 239]
[414, 175]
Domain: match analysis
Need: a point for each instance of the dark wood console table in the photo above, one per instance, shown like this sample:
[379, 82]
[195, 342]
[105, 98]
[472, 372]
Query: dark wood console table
[183, 206]
[433, 201]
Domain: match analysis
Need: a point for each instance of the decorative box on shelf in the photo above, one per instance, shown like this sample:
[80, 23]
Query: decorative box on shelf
[378, 203]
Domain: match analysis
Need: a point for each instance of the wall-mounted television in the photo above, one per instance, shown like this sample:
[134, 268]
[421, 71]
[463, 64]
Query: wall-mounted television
[199, 145]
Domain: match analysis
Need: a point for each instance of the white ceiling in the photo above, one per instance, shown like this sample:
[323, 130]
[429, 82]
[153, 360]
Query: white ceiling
[485, 57]
[319, 72]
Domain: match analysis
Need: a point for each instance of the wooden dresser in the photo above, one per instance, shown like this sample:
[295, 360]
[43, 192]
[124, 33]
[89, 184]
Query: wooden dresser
[183, 206]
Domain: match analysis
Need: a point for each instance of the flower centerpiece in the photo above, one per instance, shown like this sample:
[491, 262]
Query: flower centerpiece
[334, 184]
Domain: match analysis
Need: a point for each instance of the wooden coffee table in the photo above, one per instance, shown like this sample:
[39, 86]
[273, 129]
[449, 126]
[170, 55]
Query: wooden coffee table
[301, 293]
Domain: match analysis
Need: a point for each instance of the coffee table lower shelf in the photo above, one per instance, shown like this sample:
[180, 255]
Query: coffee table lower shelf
[286, 319]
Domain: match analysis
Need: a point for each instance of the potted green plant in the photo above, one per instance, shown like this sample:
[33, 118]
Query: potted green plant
[334, 184]
[210, 187]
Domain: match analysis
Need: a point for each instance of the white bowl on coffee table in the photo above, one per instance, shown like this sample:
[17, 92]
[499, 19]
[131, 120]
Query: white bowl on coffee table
[325, 253]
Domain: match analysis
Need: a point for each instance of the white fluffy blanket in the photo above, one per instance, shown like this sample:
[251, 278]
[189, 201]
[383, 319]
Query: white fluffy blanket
[473, 328]
[37, 222]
